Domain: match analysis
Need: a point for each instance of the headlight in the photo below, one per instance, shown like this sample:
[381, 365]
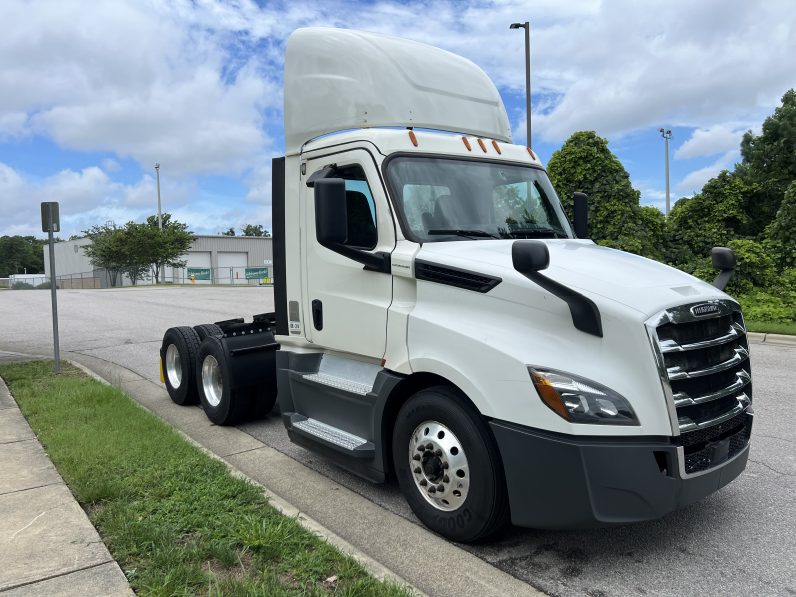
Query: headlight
[580, 400]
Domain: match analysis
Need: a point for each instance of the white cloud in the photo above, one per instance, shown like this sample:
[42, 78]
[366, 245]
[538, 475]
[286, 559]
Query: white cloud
[694, 181]
[130, 78]
[711, 141]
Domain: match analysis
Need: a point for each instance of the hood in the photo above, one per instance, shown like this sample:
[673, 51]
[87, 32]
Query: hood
[636, 282]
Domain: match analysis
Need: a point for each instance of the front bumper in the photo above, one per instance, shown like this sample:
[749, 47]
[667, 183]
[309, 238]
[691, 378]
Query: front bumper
[559, 481]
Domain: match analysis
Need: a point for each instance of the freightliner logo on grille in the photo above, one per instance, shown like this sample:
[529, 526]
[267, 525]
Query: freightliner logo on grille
[704, 309]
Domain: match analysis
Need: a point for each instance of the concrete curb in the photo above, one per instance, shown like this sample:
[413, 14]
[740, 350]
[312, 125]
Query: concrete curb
[765, 338]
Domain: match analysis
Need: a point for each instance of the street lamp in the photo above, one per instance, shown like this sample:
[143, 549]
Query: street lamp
[667, 134]
[527, 26]
[160, 217]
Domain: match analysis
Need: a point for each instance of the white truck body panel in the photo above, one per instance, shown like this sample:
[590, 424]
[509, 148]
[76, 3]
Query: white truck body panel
[339, 79]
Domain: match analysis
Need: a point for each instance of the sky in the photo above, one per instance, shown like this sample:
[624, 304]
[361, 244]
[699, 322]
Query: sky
[92, 95]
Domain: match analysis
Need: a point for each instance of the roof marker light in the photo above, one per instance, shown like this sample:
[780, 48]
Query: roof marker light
[481, 143]
[413, 138]
[496, 146]
[531, 153]
[467, 143]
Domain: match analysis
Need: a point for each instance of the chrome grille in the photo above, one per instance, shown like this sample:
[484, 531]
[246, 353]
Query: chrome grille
[704, 363]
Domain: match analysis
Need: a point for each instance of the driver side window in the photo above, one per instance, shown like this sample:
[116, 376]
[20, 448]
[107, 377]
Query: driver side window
[361, 209]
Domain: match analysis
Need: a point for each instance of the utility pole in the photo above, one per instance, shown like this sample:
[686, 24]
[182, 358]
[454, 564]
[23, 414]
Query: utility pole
[160, 216]
[527, 26]
[667, 134]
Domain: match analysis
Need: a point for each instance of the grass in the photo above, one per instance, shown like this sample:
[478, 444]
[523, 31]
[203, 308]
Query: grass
[175, 519]
[771, 327]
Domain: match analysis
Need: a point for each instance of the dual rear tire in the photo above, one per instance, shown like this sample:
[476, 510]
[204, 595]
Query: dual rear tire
[196, 370]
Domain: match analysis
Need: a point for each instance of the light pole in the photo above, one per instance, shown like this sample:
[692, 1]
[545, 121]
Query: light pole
[160, 217]
[527, 26]
[667, 134]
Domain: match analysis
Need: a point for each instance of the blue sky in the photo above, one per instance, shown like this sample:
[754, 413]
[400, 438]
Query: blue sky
[94, 94]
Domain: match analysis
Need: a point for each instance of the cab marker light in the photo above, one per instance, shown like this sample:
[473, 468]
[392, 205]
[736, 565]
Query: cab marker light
[413, 138]
[496, 146]
[481, 143]
[466, 142]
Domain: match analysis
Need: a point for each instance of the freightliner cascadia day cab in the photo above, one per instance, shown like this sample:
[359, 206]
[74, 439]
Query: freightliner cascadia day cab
[438, 318]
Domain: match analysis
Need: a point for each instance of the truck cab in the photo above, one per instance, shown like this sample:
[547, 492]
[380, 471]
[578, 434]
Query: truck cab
[438, 319]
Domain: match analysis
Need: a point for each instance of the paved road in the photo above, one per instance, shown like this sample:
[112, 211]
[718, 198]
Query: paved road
[740, 541]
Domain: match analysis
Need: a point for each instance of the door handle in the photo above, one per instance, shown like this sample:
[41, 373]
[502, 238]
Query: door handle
[317, 314]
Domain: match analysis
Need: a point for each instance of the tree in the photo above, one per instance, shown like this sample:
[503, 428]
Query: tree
[107, 250]
[584, 163]
[708, 219]
[254, 230]
[769, 163]
[21, 253]
[164, 247]
[228, 232]
[781, 232]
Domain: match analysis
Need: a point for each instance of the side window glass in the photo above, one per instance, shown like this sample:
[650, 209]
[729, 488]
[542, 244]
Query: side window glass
[361, 208]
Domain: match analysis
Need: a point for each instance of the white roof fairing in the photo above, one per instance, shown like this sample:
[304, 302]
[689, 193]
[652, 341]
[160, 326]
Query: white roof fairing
[339, 79]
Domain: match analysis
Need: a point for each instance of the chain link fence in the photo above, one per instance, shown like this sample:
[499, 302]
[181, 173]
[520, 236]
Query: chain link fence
[188, 276]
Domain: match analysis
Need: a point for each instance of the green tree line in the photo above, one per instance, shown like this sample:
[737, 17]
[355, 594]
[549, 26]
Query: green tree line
[751, 209]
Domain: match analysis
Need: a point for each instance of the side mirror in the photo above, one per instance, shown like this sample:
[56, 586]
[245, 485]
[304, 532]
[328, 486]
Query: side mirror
[581, 205]
[724, 261]
[529, 256]
[331, 217]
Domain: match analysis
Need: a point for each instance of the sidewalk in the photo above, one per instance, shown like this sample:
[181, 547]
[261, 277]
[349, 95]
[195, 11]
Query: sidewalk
[47, 544]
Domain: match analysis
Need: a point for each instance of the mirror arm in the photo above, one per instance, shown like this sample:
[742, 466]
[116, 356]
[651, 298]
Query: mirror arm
[374, 262]
[585, 314]
[723, 278]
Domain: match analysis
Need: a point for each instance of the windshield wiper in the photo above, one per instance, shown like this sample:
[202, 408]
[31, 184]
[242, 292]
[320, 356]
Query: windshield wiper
[462, 232]
[528, 232]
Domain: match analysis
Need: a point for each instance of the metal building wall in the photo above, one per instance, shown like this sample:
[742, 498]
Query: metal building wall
[71, 260]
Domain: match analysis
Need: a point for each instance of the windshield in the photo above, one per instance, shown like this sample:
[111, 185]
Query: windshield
[444, 199]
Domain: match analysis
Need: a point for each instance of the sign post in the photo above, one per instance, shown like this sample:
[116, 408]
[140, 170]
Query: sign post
[50, 222]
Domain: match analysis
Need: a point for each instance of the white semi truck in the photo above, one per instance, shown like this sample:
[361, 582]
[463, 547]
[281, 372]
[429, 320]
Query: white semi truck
[439, 319]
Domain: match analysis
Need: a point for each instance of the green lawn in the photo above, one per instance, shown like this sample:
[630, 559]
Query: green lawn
[770, 327]
[175, 519]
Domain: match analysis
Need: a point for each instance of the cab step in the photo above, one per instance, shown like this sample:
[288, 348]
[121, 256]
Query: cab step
[335, 438]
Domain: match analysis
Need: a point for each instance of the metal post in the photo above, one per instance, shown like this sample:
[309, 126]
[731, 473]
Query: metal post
[527, 26]
[666, 134]
[160, 216]
[54, 297]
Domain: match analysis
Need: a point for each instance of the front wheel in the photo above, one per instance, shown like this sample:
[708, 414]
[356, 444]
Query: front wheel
[448, 466]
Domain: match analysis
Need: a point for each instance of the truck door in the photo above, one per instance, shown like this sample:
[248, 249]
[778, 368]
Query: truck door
[346, 305]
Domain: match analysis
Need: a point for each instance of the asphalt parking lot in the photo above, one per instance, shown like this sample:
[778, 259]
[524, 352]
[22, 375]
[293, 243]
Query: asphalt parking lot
[739, 541]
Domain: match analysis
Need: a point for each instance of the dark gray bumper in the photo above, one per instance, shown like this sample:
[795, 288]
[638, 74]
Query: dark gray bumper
[558, 481]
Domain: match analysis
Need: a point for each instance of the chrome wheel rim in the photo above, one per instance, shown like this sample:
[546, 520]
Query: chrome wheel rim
[173, 366]
[211, 380]
[439, 466]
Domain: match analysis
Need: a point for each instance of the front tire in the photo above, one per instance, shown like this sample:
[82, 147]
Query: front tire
[222, 404]
[178, 359]
[448, 466]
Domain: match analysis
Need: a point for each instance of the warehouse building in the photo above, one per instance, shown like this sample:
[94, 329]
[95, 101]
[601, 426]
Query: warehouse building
[210, 260]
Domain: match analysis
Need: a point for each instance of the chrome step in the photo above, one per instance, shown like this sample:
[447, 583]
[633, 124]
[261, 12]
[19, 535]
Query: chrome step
[333, 381]
[344, 441]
